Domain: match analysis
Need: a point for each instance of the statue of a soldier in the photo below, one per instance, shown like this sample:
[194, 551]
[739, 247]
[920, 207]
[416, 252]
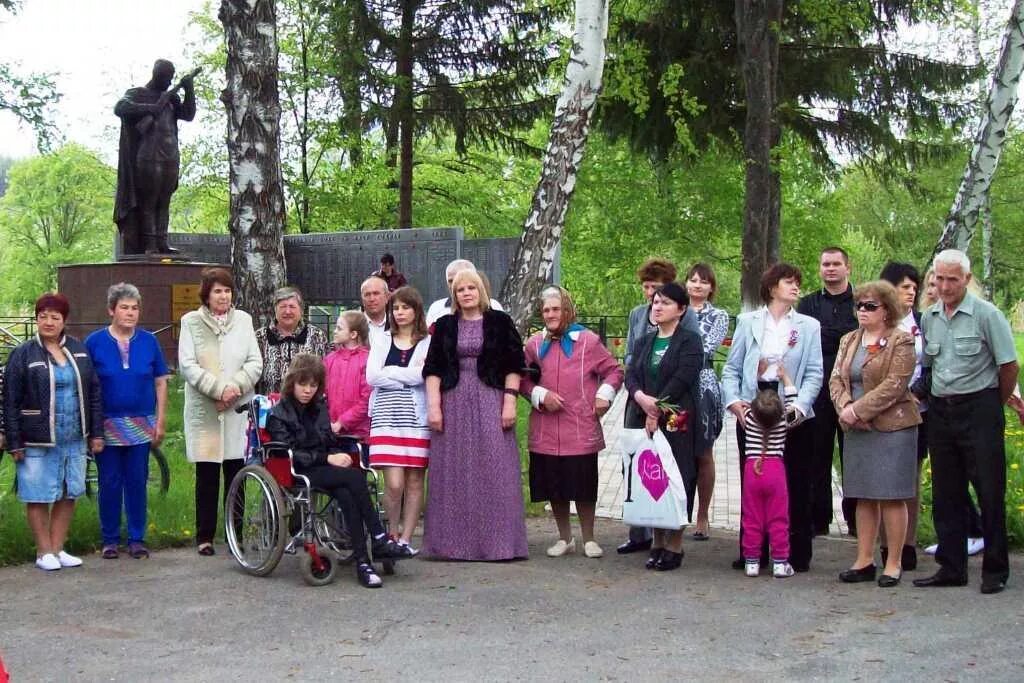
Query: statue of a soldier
[147, 160]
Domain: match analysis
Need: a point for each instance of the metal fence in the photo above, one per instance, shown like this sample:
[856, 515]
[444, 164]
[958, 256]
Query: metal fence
[612, 329]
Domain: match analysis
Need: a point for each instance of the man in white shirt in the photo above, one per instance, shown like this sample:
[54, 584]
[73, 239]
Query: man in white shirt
[374, 295]
[444, 306]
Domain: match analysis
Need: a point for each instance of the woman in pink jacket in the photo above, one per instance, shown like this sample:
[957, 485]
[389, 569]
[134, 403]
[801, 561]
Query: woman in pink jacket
[577, 382]
[348, 394]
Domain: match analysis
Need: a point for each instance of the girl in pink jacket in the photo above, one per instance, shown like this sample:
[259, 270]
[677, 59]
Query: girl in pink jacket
[348, 394]
[578, 381]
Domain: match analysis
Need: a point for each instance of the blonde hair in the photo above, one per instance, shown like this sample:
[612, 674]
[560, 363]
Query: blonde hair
[355, 321]
[473, 277]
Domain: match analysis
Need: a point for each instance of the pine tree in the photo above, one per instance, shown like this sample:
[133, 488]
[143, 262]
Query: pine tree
[470, 68]
[678, 84]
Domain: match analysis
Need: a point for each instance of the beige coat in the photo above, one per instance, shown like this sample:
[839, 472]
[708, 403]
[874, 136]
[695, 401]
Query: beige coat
[887, 405]
[211, 356]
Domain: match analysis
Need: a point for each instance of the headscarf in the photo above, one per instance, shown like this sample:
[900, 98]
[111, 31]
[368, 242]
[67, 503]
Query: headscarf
[568, 330]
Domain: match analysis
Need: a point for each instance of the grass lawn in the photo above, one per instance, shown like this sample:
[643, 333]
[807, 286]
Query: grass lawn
[1014, 479]
[171, 517]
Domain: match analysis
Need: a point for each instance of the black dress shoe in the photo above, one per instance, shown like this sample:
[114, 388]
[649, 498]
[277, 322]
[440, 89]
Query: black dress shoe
[633, 547]
[941, 579]
[887, 581]
[669, 561]
[990, 585]
[858, 575]
[908, 560]
[653, 558]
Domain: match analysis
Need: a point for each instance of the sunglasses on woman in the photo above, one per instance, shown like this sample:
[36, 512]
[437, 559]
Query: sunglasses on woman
[868, 306]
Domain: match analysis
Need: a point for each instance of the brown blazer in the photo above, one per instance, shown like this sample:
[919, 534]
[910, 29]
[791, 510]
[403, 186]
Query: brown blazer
[887, 404]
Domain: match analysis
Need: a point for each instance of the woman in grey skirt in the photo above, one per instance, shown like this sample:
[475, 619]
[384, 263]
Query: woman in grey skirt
[869, 387]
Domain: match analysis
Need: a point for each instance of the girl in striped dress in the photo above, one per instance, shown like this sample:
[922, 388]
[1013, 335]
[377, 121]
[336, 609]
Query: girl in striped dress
[399, 437]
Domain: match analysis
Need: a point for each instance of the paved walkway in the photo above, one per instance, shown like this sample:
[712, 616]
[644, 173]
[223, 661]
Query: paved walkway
[725, 503]
[180, 617]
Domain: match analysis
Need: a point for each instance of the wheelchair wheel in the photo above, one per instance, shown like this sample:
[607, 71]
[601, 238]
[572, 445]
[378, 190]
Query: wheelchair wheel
[325, 574]
[92, 477]
[329, 528]
[159, 472]
[255, 527]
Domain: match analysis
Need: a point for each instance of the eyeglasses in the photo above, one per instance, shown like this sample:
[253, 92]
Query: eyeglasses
[868, 306]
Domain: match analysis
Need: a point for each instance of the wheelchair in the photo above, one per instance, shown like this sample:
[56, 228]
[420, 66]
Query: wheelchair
[271, 510]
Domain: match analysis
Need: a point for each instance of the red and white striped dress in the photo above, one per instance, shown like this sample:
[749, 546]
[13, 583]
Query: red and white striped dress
[399, 436]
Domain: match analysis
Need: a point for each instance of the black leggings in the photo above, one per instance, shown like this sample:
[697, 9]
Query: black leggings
[347, 485]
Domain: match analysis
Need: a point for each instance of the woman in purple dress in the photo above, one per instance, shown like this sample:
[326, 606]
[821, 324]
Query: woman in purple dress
[475, 498]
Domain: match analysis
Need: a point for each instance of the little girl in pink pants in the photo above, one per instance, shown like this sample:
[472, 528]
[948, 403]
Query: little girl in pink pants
[765, 499]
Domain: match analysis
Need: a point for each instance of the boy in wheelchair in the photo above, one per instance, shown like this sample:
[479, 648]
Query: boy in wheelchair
[301, 421]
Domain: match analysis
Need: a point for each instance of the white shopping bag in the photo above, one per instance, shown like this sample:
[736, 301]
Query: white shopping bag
[655, 495]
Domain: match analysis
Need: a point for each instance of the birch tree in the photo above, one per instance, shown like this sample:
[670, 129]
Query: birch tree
[257, 208]
[574, 111]
[972, 195]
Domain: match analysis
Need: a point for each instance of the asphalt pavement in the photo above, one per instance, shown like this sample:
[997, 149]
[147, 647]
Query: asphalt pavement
[180, 617]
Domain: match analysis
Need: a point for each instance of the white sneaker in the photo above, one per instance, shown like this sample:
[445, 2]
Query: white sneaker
[562, 548]
[752, 567]
[48, 562]
[592, 549]
[413, 552]
[930, 550]
[782, 570]
[68, 560]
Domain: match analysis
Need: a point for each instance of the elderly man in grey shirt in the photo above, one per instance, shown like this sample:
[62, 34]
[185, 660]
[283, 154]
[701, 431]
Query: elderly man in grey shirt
[971, 353]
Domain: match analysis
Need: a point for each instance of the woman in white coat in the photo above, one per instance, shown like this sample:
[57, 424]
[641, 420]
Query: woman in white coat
[220, 360]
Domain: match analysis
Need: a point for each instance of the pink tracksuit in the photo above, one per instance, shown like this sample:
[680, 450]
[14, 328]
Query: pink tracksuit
[765, 499]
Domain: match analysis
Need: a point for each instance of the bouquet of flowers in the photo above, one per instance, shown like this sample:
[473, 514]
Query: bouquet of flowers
[678, 418]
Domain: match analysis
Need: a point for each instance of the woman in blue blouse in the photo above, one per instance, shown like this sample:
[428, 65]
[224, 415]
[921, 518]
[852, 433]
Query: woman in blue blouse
[133, 376]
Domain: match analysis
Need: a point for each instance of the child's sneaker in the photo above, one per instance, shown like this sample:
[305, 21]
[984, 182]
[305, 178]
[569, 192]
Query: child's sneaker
[752, 567]
[782, 570]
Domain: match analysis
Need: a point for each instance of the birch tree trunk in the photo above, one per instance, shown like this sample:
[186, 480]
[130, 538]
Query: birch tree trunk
[988, 283]
[971, 197]
[757, 25]
[542, 230]
[251, 100]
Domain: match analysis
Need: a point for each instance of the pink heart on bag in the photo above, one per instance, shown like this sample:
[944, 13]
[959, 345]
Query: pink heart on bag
[652, 475]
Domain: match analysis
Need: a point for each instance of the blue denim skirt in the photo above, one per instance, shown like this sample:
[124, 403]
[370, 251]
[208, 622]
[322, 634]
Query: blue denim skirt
[50, 473]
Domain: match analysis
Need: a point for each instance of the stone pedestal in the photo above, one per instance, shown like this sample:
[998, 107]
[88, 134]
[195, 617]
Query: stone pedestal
[169, 289]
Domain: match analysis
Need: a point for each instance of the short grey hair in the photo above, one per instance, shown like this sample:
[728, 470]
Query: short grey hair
[374, 280]
[457, 266]
[285, 293]
[954, 257]
[122, 290]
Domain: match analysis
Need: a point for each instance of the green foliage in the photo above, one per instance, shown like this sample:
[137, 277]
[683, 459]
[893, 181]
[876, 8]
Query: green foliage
[171, 517]
[840, 85]
[58, 209]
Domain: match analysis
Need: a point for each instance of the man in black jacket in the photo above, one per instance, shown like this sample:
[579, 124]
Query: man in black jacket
[832, 306]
